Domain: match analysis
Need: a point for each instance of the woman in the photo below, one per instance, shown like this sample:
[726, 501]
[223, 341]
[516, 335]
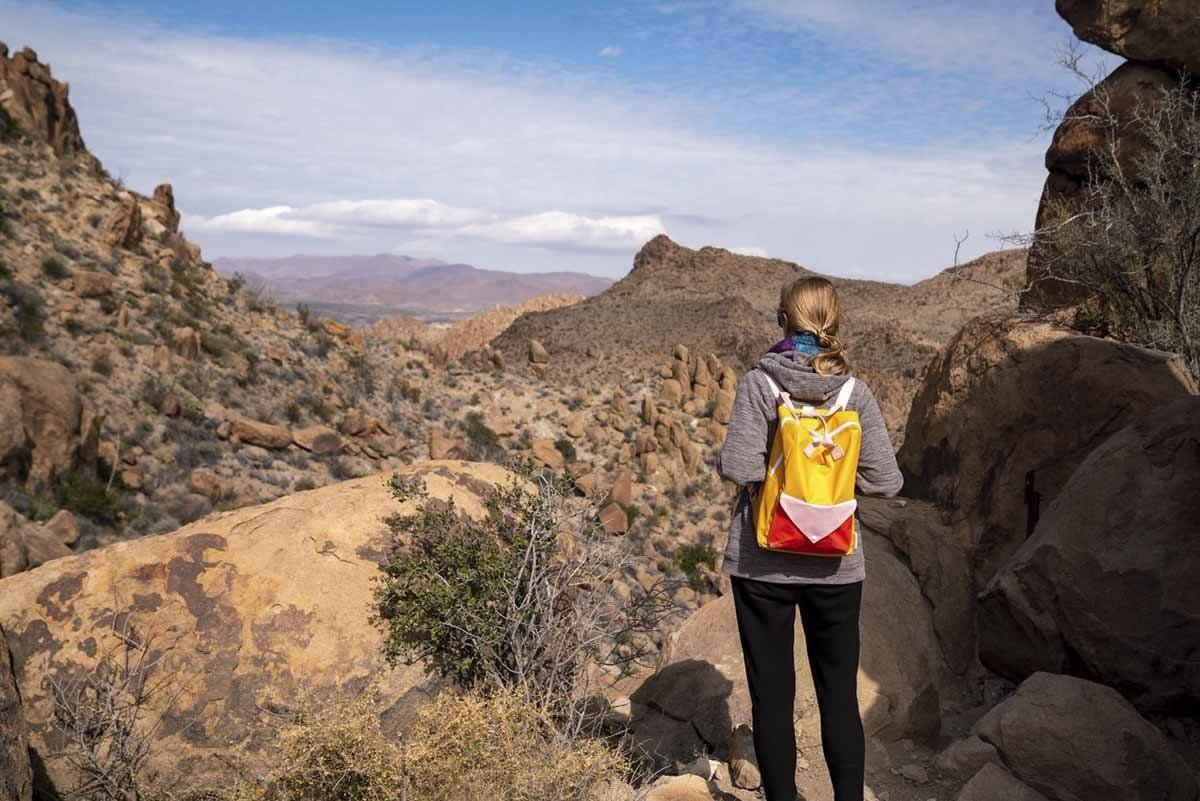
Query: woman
[768, 586]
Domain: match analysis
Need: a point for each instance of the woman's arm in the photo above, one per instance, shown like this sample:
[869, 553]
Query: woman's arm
[878, 473]
[743, 458]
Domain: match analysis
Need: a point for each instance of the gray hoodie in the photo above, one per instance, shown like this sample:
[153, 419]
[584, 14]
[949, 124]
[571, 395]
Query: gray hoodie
[743, 460]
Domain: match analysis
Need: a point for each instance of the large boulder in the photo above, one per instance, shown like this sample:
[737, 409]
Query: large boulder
[46, 428]
[699, 695]
[1106, 588]
[1075, 740]
[25, 545]
[16, 775]
[1157, 31]
[1008, 409]
[937, 553]
[251, 609]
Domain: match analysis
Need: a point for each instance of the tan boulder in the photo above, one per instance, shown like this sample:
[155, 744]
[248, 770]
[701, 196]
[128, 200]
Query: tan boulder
[1005, 402]
[699, 693]
[681, 353]
[646, 442]
[575, 428]
[25, 545]
[1073, 739]
[648, 462]
[124, 226]
[649, 412]
[994, 783]
[683, 374]
[317, 439]
[723, 410]
[537, 352]
[185, 343]
[444, 447]
[63, 527]
[253, 608]
[205, 482]
[92, 284]
[681, 788]
[336, 328]
[16, 774]
[256, 432]
[1159, 31]
[46, 428]
[701, 376]
[614, 518]
[672, 392]
[546, 453]
[1106, 587]
[165, 211]
[622, 488]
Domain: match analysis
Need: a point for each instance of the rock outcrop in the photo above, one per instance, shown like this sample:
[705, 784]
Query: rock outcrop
[1156, 31]
[250, 607]
[25, 545]
[699, 695]
[1007, 411]
[46, 428]
[1074, 740]
[37, 103]
[1106, 588]
[1161, 39]
[16, 775]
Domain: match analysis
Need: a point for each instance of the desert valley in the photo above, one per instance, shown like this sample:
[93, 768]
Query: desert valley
[213, 473]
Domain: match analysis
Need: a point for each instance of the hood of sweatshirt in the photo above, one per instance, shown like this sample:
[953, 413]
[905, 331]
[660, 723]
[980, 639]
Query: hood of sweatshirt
[794, 373]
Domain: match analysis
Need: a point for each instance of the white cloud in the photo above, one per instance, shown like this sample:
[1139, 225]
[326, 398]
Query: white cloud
[562, 229]
[751, 251]
[270, 220]
[435, 221]
[391, 213]
[611, 51]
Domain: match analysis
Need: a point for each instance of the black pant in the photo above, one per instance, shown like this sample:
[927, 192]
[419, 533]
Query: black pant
[766, 614]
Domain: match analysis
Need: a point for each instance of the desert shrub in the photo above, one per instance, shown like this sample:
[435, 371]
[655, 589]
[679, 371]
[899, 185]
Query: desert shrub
[304, 483]
[1131, 238]
[689, 557]
[28, 308]
[87, 495]
[460, 747]
[95, 218]
[474, 747]
[566, 448]
[482, 442]
[102, 364]
[54, 268]
[103, 717]
[5, 272]
[519, 599]
[153, 391]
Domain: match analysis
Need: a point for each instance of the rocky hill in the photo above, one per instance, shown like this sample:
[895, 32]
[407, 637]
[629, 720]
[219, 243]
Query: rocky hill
[368, 288]
[715, 301]
[151, 389]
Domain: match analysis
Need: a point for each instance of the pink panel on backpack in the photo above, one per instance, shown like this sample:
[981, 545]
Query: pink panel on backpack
[816, 522]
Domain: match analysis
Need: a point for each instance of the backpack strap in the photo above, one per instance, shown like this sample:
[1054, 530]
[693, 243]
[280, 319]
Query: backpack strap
[843, 397]
[779, 393]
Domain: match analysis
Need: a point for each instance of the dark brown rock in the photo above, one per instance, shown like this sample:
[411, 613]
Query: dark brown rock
[1106, 588]
[39, 104]
[124, 226]
[1156, 31]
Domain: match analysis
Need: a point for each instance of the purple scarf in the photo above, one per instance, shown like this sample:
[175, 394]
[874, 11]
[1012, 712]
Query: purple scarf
[804, 342]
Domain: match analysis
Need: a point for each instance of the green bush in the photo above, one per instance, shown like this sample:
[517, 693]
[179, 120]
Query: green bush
[54, 269]
[5, 273]
[566, 448]
[102, 364]
[501, 602]
[690, 557]
[28, 307]
[482, 442]
[86, 495]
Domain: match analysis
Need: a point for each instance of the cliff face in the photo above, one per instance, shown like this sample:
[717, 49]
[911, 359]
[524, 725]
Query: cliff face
[31, 99]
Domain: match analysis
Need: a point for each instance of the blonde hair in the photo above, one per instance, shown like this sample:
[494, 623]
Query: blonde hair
[812, 304]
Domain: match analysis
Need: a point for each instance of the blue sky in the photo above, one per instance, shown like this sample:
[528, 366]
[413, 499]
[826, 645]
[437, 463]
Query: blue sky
[855, 137]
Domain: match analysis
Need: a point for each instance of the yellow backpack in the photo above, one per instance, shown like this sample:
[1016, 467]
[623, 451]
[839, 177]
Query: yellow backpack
[806, 503]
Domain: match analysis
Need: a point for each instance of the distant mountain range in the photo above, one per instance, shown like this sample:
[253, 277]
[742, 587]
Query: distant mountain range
[363, 289]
